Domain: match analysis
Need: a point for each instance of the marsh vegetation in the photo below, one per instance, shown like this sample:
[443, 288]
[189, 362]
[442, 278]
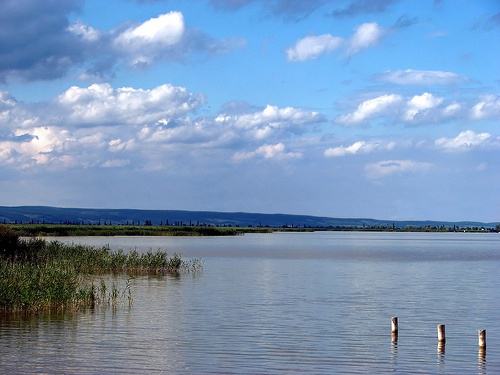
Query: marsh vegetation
[39, 275]
[30, 230]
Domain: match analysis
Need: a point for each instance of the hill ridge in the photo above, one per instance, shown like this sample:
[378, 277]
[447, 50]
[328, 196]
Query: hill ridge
[131, 216]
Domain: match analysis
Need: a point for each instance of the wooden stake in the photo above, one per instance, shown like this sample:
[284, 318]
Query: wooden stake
[394, 324]
[481, 335]
[441, 333]
[394, 329]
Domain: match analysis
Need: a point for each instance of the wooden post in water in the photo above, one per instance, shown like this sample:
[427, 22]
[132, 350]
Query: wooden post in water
[394, 324]
[441, 334]
[394, 328]
[481, 335]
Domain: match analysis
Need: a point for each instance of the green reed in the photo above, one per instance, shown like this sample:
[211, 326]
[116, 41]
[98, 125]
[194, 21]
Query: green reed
[123, 230]
[38, 275]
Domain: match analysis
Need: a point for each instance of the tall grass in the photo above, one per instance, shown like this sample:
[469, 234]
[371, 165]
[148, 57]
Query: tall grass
[38, 275]
[27, 230]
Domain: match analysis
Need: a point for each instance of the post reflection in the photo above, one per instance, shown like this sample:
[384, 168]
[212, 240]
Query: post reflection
[441, 348]
[394, 348]
[481, 360]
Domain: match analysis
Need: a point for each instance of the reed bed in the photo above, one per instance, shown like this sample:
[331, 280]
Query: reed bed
[42, 230]
[38, 275]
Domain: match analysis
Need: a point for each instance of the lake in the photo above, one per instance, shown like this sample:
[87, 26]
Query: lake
[305, 303]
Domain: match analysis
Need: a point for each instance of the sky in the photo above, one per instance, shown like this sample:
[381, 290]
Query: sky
[386, 109]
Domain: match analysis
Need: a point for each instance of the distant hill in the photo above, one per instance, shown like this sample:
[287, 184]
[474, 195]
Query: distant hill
[57, 215]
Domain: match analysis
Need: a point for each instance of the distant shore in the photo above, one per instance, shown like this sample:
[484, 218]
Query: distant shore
[64, 230]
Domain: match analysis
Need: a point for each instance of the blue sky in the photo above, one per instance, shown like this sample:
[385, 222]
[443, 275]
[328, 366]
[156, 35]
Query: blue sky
[387, 109]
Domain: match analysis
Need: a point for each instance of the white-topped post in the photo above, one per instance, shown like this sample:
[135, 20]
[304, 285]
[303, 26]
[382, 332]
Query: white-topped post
[481, 335]
[394, 328]
[441, 333]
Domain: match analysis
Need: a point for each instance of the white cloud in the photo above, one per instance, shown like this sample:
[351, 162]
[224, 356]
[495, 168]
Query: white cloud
[311, 47]
[115, 163]
[366, 35]
[267, 151]
[117, 145]
[421, 103]
[85, 32]
[370, 108]
[14, 114]
[452, 109]
[100, 104]
[7, 153]
[184, 132]
[272, 120]
[424, 108]
[359, 147]
[465, 141]
[487, 108]
[7, 101]
[44, 145]
[144, 42]
[420, 77]
[342, 151]
[390, 167]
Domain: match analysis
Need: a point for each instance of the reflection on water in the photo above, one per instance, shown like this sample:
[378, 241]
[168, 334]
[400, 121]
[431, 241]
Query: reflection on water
[440, 354]
[481, 360]
[317, 303]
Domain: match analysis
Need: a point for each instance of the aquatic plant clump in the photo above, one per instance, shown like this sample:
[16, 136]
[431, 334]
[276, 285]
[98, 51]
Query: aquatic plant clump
[39, 275]
[93, 296]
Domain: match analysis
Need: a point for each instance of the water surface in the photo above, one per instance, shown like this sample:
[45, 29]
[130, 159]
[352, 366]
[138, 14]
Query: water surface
[283, 303]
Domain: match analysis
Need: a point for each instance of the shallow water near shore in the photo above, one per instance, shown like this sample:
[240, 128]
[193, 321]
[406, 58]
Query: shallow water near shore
[283, 303]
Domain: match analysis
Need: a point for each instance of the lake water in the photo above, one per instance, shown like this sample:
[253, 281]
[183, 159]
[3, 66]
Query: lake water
[305, 303]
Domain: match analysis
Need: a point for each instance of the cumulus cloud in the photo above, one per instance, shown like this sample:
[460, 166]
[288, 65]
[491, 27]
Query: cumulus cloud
[487, 108]
[420, 104]
[7, 154]
[104, 127]
[311, 47]
[100, 104]
[164, 30]
[14, 114]
[143, 43]
[399, 167]
[359, 147]
[84, 124]
[165, 37]
[45, 145]
[465, 141]
[7, 101]
[49, 46]
[420, 77]
[198, 132]
[424, 108]
[85, 32]
[267, 151]
[115, 163]
[370, 108]
[366, 35]
[452, 109]
[271, 121]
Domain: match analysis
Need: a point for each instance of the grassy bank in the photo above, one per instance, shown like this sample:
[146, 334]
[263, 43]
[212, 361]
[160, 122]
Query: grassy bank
[41, 230]
[38, 275]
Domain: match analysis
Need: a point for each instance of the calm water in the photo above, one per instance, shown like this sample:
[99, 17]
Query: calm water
[317, 303]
